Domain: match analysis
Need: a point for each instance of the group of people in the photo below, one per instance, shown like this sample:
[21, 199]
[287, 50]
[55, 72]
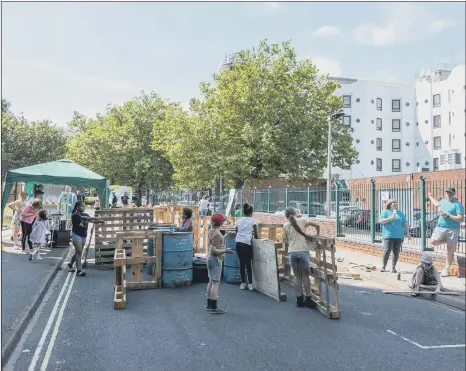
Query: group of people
[395, 229]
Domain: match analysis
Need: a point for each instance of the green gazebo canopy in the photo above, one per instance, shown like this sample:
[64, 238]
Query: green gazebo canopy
[56, 172]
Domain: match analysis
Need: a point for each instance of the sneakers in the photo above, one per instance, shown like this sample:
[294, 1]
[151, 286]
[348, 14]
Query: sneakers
[243, 286]
[81, 274]
[250, 287]
[218, 311]
[445, 272]
[310, 303]
[38, 257]
[383, 269]
[300, 302]
[394, 270]
[70, 267]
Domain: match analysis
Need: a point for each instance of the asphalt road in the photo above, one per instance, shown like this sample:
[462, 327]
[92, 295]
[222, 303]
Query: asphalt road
[168, 329]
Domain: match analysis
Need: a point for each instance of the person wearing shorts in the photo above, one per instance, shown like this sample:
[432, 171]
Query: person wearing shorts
[214, 262]
[80, 221]
[448, 226]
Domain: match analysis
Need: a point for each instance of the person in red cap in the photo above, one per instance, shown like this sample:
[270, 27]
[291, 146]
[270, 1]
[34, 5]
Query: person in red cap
[216, 246]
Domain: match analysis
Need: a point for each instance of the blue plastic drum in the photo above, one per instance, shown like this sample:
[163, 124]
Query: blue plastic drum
[231, 263]
[177, 259]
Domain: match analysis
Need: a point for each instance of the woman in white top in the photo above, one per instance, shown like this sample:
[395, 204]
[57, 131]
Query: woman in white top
[204, 205]
[17, 207]
[295, 238]
[246, 229]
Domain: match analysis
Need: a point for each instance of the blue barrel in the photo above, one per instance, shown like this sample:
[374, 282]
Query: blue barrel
[177, 259]
[150, 243]
[231, 263]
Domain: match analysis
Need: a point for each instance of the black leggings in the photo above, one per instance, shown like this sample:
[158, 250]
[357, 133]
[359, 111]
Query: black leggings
[26, 229]
[244, 252]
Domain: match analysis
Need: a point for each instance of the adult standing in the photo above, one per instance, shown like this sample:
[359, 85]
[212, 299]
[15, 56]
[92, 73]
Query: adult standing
[125, 199]
[17, 207]
[204, 205]
[295, 238]
[394, 229]
[28, 216]
[448, 226]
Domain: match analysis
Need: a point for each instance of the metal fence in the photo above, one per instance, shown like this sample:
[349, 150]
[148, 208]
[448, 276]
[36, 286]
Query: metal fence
[356, 210]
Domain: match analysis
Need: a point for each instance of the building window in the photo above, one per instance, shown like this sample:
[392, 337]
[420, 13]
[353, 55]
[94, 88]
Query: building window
[435, 164]
[449, 118]
[378, 164]
[396, 166]
[449, 140]
[379, 104]
[347, 121]
[379, 124]
[346, 101]
[458, 158]
[449, 96]
[442, 159]
[396, 105]
[436, 100]
[437, 121]
[378, 145]
[396, 125]
[396, 145]
[437, 142]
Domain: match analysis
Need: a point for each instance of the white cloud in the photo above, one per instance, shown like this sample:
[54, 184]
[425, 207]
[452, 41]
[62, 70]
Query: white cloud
[326, 31]
[327, 66]
[405, 22]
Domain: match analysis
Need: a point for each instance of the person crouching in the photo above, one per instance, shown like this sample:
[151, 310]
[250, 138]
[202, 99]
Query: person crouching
[425, 274]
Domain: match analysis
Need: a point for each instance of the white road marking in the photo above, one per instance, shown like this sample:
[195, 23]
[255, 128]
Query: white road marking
[53, 338]
[428, 347]
[36, 356]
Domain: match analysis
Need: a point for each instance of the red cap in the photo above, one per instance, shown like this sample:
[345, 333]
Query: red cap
[217, 218]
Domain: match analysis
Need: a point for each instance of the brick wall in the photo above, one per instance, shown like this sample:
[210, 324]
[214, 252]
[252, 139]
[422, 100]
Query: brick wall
[327, 227]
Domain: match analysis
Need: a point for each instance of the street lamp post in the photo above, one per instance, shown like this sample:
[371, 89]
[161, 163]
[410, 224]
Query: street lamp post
[329, 160]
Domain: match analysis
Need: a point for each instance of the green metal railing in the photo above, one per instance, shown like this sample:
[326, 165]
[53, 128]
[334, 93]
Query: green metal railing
[355, 210]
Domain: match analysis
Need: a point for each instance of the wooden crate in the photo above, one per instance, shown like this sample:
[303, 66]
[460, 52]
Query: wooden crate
[324, 270]
[115, 221]
[136, 262]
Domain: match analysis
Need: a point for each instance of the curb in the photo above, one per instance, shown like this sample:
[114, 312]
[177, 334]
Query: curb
[20, 324]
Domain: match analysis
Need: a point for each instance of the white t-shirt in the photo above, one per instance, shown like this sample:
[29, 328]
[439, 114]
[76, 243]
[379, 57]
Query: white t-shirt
[245, 227]
[39, 230]
[204, 204]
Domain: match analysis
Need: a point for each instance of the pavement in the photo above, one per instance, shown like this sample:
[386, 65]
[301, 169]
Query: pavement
[24, 284]
[389, 281]
[76, 328]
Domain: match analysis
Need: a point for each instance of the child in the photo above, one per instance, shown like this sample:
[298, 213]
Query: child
[246, 229]
[17, 207]
[40, 229]
[425, 274]
[28, 216]
[214, 262]
[79, 220]
[187, 225]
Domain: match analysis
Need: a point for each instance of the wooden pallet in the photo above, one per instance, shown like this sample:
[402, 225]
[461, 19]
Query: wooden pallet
[324, 270]
[116, 221]
[136, 261]
[274, 232]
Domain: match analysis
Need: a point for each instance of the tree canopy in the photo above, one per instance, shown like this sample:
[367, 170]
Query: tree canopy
[265, 114]
[28, 143]
[118, 144]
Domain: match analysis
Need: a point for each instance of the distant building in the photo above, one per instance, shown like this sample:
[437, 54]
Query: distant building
[401, 128]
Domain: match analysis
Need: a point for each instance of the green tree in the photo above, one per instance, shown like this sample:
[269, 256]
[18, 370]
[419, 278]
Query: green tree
[29, 143]
[118, 144]
[265, 114]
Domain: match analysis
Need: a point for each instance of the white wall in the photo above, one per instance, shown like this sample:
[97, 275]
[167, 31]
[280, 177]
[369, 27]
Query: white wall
[452, 116]
[417, 131]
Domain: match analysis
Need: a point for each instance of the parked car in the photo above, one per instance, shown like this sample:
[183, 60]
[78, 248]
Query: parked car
[431, 223]
[462, 236]
[349, 215]
[302, 208]
[363, 220]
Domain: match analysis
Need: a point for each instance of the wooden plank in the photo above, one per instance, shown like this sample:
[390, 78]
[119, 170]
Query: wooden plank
[265, 269]
[141, 285]
[140, 260]
[452, 293]
[118, 211]
[121, 218]
[322, 264]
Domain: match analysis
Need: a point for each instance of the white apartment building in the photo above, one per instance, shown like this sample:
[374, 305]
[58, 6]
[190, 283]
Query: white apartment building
[405, 128]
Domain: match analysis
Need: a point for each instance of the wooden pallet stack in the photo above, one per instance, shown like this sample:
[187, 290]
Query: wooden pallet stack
[323, 269]
[115, 221]
[274, 232]
[136, 262]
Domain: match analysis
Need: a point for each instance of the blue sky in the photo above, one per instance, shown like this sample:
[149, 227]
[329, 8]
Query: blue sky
[63, 57]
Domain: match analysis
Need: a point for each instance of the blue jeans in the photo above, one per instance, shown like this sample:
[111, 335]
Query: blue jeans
[203, 212]
[300, 264]
[76, 238]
